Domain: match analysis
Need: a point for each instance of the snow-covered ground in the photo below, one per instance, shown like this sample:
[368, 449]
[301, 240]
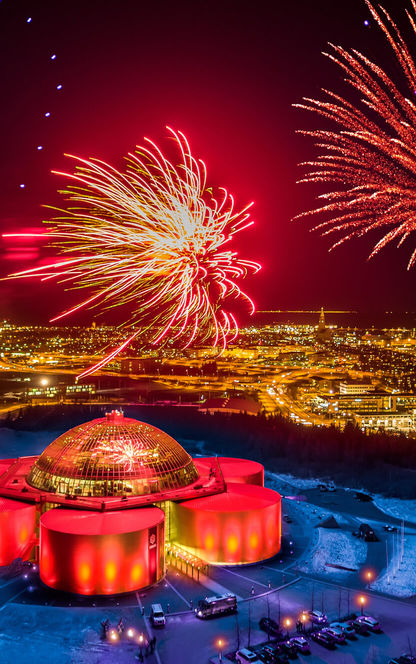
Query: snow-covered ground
[401, 509]
[284, 482]
[335, 547]
[401, 580]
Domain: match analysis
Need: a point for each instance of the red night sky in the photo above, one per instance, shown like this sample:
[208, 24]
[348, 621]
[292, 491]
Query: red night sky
[226, 73]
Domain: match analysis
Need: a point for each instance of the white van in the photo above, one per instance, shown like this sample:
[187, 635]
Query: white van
[157, 617]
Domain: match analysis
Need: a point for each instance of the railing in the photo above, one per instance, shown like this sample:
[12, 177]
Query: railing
[185, 562]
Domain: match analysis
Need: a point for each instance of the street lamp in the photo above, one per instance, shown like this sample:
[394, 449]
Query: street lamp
[361, 600]
[287, 623]
[220, 645]
[44, 381]
[141, 640]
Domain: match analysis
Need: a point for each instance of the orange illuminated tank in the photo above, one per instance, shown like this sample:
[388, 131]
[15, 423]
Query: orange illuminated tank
[92, 553]
[241, 525]
[103, 489]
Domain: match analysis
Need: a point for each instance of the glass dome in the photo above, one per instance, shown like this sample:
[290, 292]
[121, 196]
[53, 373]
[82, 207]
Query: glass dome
[113, 456]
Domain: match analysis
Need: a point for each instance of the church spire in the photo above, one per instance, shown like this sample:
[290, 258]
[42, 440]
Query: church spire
[321, 324]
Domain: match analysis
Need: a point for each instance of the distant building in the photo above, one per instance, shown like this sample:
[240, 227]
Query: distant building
[79, 388]
[322, 333]
[231, 405]
[355, 387]
[392, 422]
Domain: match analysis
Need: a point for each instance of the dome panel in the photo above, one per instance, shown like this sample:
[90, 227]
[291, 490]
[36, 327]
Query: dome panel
[113, 456]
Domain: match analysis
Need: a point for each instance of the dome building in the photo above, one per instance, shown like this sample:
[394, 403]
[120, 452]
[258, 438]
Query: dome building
[112, 456]
[111, 494]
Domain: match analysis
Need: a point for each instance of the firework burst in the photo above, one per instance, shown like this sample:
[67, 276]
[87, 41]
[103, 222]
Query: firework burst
[370, 156]
[128, 452]
[153, 240]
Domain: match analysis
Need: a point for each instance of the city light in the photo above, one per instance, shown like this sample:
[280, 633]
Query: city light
[220, 646]
[362, 601]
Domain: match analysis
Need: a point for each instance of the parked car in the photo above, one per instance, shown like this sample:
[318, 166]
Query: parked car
[289, 648]
[317, 617]
[372, 624]
[348, 629]
[329, 486]
[301, 644]
[273, 654]
[360, 627]
[270, 626]
[323, 639]
[366, 532]
[403, 659]
[245, 655]
[157, 617]
[390, 529]
[265, 656]
[336, 633]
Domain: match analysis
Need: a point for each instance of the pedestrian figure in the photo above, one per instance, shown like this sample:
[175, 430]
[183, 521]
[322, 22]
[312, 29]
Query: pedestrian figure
[104, 628]
[252, 590]
[142, 610]
[154, 643]
[269, 584]
[120, 626]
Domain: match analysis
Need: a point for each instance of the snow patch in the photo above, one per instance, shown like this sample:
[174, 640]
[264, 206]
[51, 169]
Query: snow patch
[401, 580]
[397, 507]
[336, 548]
[286, 482]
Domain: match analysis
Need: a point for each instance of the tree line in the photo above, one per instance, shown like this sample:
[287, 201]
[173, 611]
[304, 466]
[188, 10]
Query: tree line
[380, 463]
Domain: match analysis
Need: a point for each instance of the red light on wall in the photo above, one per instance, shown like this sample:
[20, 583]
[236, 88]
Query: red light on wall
[80, 554]
[240, 526]
[17, 528]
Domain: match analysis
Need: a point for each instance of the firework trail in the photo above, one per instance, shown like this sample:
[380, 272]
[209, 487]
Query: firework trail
[370, 157]
[153, 240]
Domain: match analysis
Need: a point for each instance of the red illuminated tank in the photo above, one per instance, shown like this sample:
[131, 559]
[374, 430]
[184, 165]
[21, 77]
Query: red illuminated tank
[239, 471]
[242, 525]
[17, 528]
[93, 553]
